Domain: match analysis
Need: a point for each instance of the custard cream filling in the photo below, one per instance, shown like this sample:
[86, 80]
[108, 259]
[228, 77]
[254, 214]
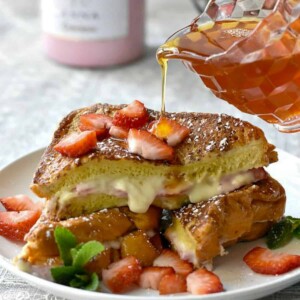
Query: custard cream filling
[141, 192]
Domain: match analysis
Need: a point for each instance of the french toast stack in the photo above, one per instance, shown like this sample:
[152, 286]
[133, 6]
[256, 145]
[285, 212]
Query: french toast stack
[214, 191]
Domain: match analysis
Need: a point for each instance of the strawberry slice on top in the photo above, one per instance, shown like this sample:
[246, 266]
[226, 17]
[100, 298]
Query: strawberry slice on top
[77, 143]
[118, 132]
[19, 203]
[264, 261]
[97, 122]
[134, 115]
[169, 130]
[15, 225]
[148, 146]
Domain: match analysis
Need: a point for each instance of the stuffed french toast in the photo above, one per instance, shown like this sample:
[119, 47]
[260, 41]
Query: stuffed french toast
[139, 182]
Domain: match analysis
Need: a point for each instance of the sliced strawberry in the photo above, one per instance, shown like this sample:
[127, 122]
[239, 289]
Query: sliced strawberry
[151, 276]
[118, 132]
[169, 258]
[134, 115]
[148, 146]
[170, 131]
[19, 203]
[15, 225]
[77, 143]
[122, 275]
[259, 173]
[172, 284]
[264, 261]
[95, 122]
[202, 282]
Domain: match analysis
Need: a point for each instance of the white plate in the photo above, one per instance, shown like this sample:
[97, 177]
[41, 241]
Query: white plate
[239, 281]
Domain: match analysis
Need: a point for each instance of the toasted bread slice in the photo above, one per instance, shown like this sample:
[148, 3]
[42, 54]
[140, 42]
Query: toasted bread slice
[106, 226]
[199, 232]
[217, 146]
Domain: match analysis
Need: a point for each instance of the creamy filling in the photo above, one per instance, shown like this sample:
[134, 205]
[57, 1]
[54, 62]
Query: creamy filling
[141, 192]
[186, 248]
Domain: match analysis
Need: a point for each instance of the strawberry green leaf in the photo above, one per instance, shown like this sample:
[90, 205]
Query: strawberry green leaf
[76, 283]
[65, 241]
[294, 221]
[93, 284]
[83, 277]
[85, 281]
[297, 232]
[63, 274]
[80, 280]
[86, 253]
[280, 234]
[75, 250]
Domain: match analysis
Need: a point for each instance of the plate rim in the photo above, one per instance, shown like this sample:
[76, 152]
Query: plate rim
[279, 284]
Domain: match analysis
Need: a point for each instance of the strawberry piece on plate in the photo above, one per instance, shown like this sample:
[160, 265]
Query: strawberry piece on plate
[122, 275]
[169, 258]
[170, 131]
[134, 115]
[77, 143]
[95, 122]
[172, 284]
[118, 132]
[202, 282]
[151, 276]
[14, 225]
[148, 146]
[264, 261]
[19, 203]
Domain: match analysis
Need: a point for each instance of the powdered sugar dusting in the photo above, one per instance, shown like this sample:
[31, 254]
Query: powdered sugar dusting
[223, 143]
[207, 134]
[211, 146]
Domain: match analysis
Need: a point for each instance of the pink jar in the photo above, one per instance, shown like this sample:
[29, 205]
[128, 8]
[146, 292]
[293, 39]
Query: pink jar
[93, 33]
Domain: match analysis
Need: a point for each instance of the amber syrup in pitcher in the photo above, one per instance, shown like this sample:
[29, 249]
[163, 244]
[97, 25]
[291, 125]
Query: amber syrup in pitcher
[268, 86]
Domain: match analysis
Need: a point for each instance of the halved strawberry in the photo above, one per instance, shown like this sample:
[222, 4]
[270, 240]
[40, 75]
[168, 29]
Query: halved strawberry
[151, 276]
[77, 143]
[169, 258]
[172, 284]
[170, 131]
[148, 146]
[264, 261]
[122, 275]
[19, 203]
[95, 122]
[202, 282]
[118, 132]
[134, 115]
[15, 225]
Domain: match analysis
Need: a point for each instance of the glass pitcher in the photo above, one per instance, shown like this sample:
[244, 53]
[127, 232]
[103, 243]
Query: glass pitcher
[246, 52]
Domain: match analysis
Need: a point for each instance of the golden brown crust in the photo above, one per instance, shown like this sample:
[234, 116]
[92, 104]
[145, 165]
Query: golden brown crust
[244, 214]
[210, 133]
[104, 226]
[226, 219]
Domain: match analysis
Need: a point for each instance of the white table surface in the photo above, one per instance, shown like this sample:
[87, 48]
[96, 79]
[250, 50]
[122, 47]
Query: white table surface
[35, 93]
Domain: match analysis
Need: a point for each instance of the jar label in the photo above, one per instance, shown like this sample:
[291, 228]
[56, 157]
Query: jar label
[86, 19]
